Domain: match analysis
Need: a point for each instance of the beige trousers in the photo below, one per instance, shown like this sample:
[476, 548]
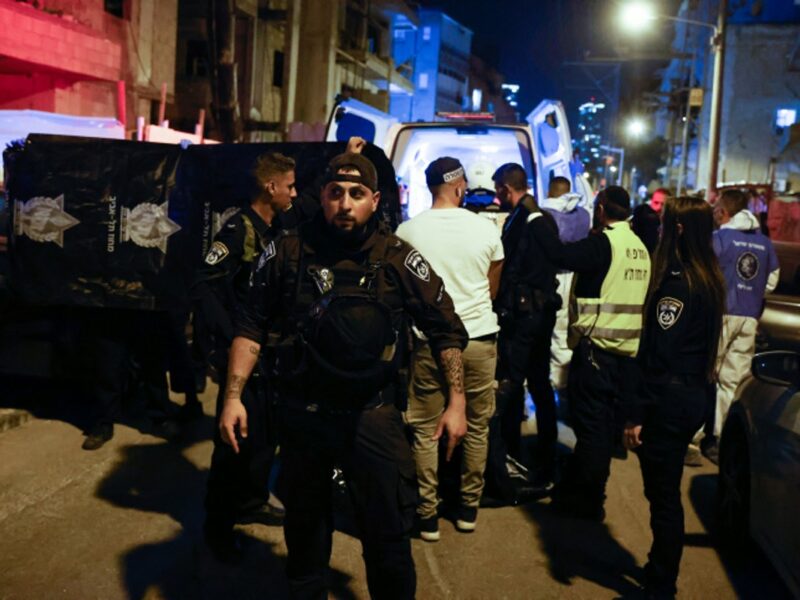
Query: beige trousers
[736, 350]
[426, 403]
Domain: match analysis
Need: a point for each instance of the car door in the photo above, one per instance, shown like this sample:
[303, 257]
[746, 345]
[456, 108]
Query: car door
[353, 118]
[776, 476]
[553, 146]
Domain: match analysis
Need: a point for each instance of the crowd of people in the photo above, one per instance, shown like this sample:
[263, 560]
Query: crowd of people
[346, 348]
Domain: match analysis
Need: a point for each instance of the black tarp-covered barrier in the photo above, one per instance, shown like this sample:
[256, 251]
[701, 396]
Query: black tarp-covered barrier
[113, 223]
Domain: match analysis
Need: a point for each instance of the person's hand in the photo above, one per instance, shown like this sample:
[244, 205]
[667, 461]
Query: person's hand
[356, 144]
[454, 423]
[233, 414]
[631, 436]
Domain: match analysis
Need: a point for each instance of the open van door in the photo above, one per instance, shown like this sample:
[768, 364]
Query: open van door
[351, 117]
[553, 145]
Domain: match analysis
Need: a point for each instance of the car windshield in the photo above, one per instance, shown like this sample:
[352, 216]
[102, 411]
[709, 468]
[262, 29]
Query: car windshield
[480, 148]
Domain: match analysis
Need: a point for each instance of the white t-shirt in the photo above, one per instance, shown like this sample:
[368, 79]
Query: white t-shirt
[460, 246]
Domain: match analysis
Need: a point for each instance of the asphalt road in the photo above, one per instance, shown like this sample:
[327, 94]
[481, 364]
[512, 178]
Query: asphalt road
[125, 522]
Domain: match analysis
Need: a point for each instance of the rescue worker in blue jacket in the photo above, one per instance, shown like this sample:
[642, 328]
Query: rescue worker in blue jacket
[682, 326]
[328, 302]
[612, 269]
[238, 485]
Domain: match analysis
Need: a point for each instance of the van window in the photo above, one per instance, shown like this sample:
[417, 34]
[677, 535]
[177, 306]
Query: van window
[480, 148]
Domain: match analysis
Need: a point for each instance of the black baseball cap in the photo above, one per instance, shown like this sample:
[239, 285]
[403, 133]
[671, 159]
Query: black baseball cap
[350, 161]
[444, 170]
[615, 194]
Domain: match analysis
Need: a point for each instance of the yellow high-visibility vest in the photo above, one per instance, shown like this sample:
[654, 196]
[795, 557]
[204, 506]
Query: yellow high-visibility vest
[614, 320]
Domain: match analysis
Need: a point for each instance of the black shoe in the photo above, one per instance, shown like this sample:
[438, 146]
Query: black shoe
[224, 544]
[466, 519]
[266, 514]
[429, 529]
[98, 436]
[710, 451]
[525, 493]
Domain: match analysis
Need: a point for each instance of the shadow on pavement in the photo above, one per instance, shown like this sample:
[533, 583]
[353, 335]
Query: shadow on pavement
[757, 578]
[159, 478]
[584, 549]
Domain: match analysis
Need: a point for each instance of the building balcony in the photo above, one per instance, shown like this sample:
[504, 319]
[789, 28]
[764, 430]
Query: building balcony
[380, 72]
[36, 41]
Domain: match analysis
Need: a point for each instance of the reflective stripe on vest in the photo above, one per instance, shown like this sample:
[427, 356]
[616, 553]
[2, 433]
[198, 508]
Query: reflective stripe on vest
[614, 320]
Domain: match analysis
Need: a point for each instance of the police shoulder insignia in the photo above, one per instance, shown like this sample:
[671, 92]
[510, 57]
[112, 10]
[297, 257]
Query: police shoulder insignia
[418, 265]
[747, 266]
[217, 253]
[668, 311]
[268, 253]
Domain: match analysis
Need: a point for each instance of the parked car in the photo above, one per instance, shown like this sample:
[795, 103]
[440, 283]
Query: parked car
[759, 470]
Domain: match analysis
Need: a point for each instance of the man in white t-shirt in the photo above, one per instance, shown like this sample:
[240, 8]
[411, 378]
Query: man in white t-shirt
[467, 253]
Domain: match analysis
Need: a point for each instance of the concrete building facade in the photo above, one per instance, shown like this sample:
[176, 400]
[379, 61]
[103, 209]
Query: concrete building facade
[760, 92]
[67, 56]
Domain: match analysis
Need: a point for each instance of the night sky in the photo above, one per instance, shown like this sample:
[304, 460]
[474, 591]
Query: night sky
[529, 40]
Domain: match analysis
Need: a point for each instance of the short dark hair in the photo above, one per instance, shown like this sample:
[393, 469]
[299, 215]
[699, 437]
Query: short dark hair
[557, 184]
[615, 201]
[512, 175]
[664, 191]
[272, 163]
[733, 201]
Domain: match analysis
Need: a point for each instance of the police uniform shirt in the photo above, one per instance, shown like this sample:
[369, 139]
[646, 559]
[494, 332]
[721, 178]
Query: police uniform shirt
[411, 284]
[222, 281]
[525, 264]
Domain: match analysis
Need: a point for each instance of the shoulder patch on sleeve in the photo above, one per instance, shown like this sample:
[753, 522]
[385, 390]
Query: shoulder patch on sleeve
[267, 255]
[217, 253]
[418, 265]
[668, 311]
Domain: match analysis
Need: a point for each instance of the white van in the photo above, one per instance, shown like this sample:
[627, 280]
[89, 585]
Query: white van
[543, 147]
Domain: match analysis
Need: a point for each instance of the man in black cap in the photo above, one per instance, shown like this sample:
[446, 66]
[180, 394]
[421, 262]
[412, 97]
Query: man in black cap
[612, 268]
[328, 303]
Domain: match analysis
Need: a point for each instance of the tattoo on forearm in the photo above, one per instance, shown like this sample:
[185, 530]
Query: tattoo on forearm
[253, 350]
[453, 367]
[235, 386]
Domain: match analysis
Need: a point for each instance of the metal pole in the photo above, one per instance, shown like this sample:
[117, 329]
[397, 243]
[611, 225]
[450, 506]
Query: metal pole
[685, 141]
[621, 166]
[716, 101]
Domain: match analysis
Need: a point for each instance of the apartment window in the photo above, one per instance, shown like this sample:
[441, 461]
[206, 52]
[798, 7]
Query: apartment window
[277, 69]
[196, 58]
[115, 7]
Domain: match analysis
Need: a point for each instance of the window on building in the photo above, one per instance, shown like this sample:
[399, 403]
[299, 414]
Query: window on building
[115, 7]
[277, 69]
[785, 117]
[196, 58]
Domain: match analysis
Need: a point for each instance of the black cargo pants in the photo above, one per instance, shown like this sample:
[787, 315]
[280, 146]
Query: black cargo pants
[373, 452]
[239, 483]
[670, 422]
[598, 382]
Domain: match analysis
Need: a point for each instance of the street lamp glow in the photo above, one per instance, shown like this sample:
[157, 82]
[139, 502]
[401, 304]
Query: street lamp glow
[635, 16]
[636, 128]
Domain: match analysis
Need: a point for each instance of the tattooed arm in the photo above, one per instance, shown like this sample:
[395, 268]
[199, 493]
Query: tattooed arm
[243, 357]
[454, 418]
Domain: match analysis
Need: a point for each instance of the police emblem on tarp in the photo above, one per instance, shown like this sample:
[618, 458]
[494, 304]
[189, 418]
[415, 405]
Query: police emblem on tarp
[43, 219]
[216, 253]
[668, 311]
[147, 225]
[747, 266]
[418, 266]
